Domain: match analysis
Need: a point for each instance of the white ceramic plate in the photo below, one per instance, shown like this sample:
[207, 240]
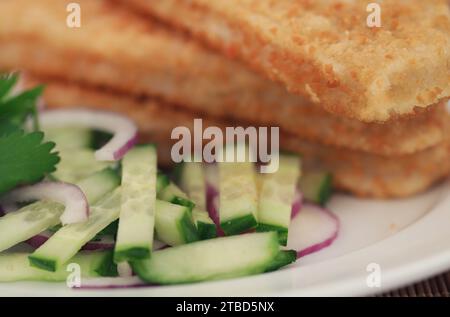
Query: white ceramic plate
[408, 240]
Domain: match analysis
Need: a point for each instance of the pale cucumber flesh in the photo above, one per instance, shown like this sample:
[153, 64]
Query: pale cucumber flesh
[173, 224]
[214, 259]
[137, 215]
[15, 267]
[277, 193]
[67, 241]
[238, 201]
[21, 225]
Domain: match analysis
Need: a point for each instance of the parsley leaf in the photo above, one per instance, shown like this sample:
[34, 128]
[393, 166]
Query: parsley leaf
[16, 109]
[25, 159]
[7, 83]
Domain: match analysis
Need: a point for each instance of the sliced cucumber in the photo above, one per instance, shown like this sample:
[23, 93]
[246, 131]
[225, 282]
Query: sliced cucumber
[21, 225]
[238, 197]
[99, 184]
[69, 138]
[205, 226]
[213, 259]
[137, 216]
[77, 164]
[316, 186]
[162, 181]
[67, 241]
[15, 267]
[173, 224]
[173, 194]
[277, 194]
[193, 181]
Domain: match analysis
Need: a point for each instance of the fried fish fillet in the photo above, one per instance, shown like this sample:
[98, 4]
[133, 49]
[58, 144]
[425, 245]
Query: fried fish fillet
[117, 49]
[354, 171]
[324, 49]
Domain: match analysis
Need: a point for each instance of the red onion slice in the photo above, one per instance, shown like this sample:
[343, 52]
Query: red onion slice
[158, 245]
[102, 244]
[297, 204]
[212, 204]
[124, 130]
[312, 229]
[71, 196]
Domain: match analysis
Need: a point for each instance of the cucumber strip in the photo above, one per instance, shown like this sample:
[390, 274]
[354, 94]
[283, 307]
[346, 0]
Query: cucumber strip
[15, 267]
[173, 194]
[67, 241]
[162, 181]
[238, 200]
[192, 180]
[212, 259]
[205, 225]
[283, 258]
[23, 224]
[77, 164]
[277, 193]
[137, 215]
[316, 186]
[99, 184]
[173, 224]
[69, 138]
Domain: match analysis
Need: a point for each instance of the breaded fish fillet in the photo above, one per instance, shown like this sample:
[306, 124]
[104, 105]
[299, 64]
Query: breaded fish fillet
[117, 49]
[354, 171]
[324, 49]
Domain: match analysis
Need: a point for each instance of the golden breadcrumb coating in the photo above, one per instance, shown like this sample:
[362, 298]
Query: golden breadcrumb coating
[117, 49]
[324, 49]
[359, 173]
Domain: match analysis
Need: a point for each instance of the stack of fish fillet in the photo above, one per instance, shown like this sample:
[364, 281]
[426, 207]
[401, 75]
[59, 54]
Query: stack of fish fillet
[367, 104]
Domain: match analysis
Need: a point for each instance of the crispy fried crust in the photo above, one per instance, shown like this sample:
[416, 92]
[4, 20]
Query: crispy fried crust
[359, 173]
[323, 49]
[170, 66]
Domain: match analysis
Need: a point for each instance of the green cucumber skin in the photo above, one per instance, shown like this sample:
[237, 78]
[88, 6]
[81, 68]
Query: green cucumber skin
[317, 187]
[179, 228]
[188, 229]
[131, 254]
[43, 263]
[283, 258]
[326, 190]
[172, 194]
[206, 231]
[282, 232]
[183, 202]
[107, 268]
[191, 271]
[15, 267]
[162, 181]
[238, 225]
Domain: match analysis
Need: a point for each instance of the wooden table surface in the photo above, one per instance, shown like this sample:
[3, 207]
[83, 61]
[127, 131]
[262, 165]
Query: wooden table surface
[438, 286]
